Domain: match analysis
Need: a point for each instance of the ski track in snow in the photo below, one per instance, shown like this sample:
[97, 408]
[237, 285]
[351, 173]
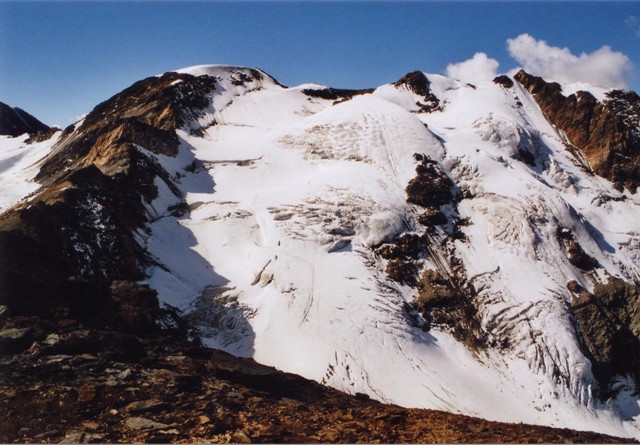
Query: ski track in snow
[294, 190]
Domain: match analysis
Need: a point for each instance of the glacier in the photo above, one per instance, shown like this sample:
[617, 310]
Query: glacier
[288, 194]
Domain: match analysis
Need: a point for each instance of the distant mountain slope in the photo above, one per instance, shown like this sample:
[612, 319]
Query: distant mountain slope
[14, 122]
[472, 248]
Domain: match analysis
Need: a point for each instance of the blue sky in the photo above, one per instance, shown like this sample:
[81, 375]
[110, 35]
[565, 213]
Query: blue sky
[60, 59]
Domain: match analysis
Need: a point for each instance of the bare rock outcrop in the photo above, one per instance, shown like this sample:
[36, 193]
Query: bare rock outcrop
[336, 94]
[605, 135]
[608, 321]
[503, 80]
[70, 248]
[420, 85]
[145, 114]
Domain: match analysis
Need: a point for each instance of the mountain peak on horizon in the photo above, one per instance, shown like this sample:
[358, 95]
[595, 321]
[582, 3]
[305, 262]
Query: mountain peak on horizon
[14, 121]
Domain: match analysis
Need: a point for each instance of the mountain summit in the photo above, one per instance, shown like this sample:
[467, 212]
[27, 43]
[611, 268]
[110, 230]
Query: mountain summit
[15, 121]
[471, 248]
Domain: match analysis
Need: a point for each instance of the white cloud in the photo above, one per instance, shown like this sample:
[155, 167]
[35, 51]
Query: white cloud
[603, 67]
[74, 119]
[478, 68]
[634, 25]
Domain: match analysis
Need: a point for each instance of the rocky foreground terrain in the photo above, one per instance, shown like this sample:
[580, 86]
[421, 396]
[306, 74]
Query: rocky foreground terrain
[80, 384]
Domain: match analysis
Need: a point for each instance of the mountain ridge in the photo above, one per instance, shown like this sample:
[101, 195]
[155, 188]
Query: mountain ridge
[182, 142]
[15, 121]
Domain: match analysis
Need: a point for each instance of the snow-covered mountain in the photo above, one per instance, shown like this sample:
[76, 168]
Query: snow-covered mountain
[473, 248]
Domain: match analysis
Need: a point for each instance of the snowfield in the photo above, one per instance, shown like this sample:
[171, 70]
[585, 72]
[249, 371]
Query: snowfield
[19, 165]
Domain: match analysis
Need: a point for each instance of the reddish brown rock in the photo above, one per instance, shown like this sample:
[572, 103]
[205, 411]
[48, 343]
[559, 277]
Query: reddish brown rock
[87, 399]
[145, 114]
[603, 134]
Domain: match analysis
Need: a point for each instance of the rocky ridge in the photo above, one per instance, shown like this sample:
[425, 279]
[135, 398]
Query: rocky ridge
[604, 135]
[78, 231]
[15, 121]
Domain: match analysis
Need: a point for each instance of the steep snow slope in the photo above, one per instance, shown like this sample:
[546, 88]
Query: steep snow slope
[513, 254]
[517, 207]
[19, 166]
[288, 194]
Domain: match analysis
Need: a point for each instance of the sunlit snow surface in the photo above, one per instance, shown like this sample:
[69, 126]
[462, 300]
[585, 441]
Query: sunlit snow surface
[290, 192]
[19, 165]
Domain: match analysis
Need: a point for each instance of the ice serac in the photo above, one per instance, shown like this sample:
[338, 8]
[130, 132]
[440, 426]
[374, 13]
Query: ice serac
[15, 121]
[604, 134]
[429, 242]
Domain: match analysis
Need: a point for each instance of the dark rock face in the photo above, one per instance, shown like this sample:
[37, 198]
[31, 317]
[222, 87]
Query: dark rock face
[431, 188]
[605, 134]
[69, 242]
[336, 94]
[240, 77]
[574, 251]
[609, 323]
[437, 291]
[14, 122]
[41, 135]
[145, 114]
[448, 301]
[418, 83]
[70, 250]
[503, 80]
[626, 105]
[445, 297]
[41, 280]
